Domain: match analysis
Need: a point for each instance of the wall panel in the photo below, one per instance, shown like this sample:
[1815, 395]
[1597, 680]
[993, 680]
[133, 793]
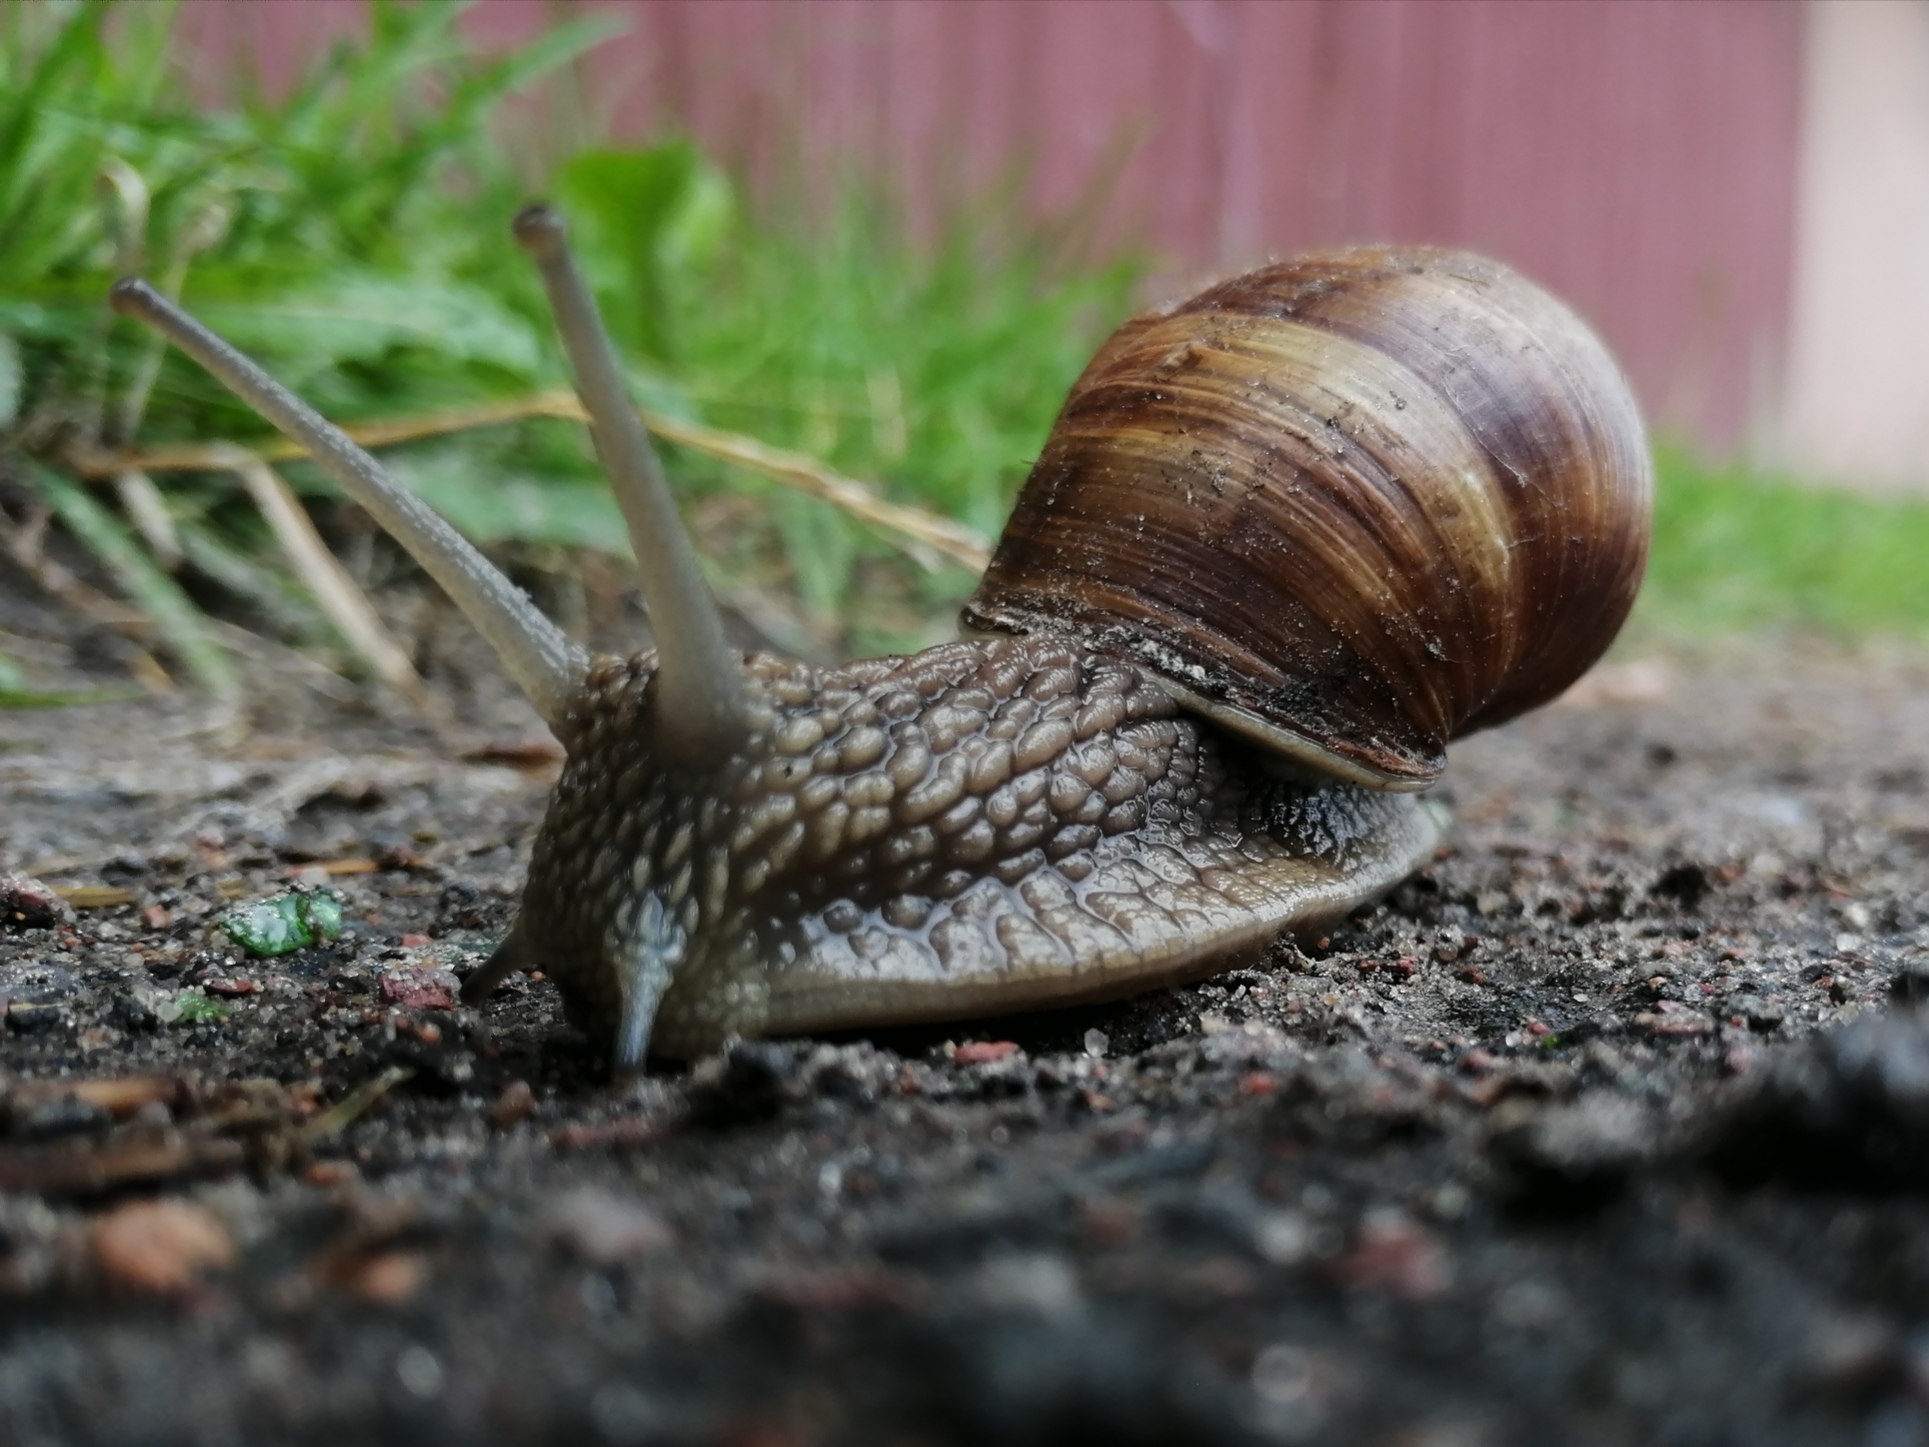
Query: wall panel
[1637, 155]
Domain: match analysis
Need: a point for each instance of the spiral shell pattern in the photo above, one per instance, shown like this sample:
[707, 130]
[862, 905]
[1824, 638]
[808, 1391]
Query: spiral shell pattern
[1355, 505]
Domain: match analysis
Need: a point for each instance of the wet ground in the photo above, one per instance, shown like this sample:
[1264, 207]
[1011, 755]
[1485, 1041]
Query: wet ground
[1612, 1126]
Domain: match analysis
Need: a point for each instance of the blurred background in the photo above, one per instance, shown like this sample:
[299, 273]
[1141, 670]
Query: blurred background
[882, 235]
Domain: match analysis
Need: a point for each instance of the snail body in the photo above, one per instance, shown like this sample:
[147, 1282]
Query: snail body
[983, 827]
[1285, 541]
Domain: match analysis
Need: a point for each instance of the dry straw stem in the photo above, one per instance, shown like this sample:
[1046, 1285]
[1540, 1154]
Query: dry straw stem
[142, 503]
[334, 590]
[926, 535]
[330, 584]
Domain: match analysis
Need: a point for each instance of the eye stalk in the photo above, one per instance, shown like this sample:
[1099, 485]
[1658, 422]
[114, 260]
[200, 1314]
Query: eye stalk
[700, 713]
[538, 655]
[700, 704]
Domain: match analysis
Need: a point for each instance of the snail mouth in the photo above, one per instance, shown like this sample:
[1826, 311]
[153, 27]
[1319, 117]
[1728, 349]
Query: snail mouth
[642, 984]
[645, 966]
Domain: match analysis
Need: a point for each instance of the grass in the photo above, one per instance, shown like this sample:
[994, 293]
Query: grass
[1737, 550]
[353, 234]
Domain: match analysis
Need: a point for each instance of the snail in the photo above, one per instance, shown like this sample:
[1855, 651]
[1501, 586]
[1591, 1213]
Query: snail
[1285, 541]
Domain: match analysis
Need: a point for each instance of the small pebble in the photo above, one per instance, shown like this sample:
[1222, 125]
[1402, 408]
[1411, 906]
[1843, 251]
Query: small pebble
[132, 1011]
[418, 989]
[983, 1052]
[514, 1106]
[28, 904]
[387, 1278]
[419, 1372]
[1397, 1255]
[1285, 1238]
[160, 1246]
[602, 1228]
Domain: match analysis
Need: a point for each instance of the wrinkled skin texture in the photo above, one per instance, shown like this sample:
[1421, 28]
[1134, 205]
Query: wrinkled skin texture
[984, 827]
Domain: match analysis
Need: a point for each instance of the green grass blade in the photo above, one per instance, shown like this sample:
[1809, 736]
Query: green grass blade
[75, 47]
[32, 698]
[147, 587]
[10, 380]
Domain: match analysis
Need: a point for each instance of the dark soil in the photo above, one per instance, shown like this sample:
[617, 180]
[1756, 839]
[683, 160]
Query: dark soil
[1610, 1127]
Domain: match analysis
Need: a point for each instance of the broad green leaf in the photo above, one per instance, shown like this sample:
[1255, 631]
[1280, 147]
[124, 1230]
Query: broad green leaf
[360, 317]
[644, 220]
[365, 258]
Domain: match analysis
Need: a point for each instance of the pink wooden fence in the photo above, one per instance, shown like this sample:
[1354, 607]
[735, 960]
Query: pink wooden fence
[1637, 155]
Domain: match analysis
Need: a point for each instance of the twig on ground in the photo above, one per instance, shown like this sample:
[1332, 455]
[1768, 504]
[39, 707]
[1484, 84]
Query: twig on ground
[339, 1116]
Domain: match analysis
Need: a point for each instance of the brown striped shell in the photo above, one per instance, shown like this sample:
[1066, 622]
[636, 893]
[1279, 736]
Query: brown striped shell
[1356, 505]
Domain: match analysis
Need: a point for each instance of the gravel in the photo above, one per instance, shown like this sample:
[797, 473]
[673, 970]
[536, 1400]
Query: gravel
[1612, 1126]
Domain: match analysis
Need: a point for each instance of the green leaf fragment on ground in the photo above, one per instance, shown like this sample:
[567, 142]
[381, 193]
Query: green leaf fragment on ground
[191, 1007]
[284, 924]
[322, 913]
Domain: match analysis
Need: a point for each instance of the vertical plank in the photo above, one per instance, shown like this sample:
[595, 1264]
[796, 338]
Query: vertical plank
[1859, 367]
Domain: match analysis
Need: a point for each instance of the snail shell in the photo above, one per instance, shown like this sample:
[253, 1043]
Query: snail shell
[1347, 508]
[1353, 505]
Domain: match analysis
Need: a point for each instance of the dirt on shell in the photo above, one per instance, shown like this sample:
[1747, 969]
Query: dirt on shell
[1611, 1126]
